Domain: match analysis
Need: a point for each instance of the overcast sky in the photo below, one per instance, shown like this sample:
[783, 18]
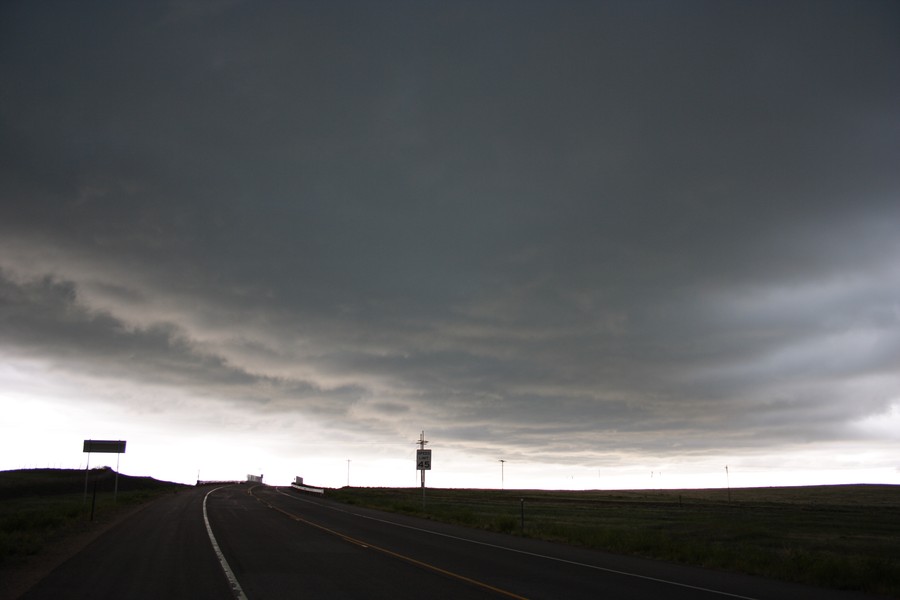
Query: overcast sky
[617, 244]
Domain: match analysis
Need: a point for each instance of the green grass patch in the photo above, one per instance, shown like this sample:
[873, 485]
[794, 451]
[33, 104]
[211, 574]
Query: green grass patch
[843, 537]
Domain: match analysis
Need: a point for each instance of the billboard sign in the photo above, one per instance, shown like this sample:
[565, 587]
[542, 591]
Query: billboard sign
[423, 460]
[107, 446]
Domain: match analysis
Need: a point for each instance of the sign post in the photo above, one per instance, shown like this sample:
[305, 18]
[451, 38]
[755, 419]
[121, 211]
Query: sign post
[423, 462]
[107, 447]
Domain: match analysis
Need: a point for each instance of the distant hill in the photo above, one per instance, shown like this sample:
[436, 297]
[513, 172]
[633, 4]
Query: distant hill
[48, 482]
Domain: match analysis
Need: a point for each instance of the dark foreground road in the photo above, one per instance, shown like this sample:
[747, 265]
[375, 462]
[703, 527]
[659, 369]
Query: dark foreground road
[266, 543]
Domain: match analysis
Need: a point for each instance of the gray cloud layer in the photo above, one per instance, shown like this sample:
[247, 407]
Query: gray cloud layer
[672, 224]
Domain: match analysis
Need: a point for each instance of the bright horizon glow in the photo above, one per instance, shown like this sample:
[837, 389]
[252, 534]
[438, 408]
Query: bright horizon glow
[153, 452]
[47, 430]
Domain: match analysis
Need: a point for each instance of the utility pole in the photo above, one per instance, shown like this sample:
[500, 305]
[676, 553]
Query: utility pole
[728, 480]
[422, 441]
[348, 472]
[502, 463]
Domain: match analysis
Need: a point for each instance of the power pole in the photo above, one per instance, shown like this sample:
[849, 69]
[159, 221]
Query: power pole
[502, 463]
[728, 480]
[422, 441]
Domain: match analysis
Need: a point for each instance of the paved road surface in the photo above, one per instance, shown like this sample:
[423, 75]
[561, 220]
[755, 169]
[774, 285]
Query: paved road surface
[275, 543]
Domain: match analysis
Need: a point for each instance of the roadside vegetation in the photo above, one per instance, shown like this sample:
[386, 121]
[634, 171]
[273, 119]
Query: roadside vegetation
[39, 507]
[844, 537]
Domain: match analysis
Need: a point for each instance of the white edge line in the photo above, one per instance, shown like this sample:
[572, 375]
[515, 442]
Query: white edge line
[229, 574]
[525, 552]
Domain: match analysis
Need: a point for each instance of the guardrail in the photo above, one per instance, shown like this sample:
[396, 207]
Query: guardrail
[308, 489]
[199, 482]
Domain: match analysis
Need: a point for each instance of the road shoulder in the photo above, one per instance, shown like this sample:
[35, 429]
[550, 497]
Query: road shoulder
[18, 579]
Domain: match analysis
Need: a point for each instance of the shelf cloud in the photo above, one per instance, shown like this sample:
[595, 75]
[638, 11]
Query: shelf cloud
[557, 232]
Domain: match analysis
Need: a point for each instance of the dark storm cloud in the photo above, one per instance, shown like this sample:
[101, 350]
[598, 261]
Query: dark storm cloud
[641, 218]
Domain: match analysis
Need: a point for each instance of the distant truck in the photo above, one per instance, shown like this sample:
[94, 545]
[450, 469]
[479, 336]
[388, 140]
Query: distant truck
[254, 478]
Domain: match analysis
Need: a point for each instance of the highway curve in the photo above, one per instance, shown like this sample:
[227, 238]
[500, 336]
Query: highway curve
[259, 542]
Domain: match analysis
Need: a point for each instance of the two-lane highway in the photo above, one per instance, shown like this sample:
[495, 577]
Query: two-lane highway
[259, 543]
[274, 555]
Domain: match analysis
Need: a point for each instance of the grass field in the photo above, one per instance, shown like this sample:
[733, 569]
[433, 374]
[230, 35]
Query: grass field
[845, 537]
[44, 506]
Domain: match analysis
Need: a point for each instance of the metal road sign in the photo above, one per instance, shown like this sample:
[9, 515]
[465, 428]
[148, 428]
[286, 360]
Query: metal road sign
[116, 447]
[108, 446]
[423, 460]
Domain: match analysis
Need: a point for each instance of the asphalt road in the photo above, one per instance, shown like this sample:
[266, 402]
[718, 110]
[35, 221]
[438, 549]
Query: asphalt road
[259, 542]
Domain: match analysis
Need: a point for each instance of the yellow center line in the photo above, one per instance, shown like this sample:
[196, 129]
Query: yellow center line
[409, 559]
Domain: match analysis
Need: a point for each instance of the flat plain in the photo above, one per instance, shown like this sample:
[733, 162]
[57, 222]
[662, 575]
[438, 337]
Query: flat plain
[841, 536]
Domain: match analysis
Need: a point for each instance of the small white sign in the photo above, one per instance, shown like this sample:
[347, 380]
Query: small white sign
[423, 460]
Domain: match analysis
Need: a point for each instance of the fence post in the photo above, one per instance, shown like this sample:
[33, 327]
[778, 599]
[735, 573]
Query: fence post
[522, 504]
